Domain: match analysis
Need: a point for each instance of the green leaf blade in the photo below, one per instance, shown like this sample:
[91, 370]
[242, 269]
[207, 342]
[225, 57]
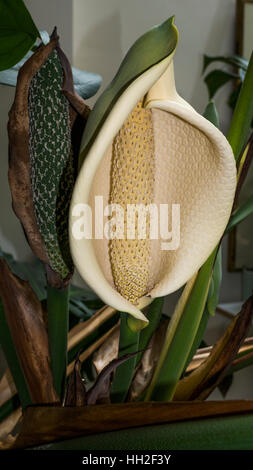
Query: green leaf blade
[243, 114]
[211, 113]
[128, 343]
[18, 32]
[216, 79]
[58, 325]
[240, 214]
[154, 316]
[234, 60]
[217, 278]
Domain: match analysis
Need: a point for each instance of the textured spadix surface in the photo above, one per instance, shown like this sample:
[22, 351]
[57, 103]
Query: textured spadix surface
[151, 147]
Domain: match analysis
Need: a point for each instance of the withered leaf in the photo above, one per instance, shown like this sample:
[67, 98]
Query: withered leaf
[101, 388]
[41, 424]
[45, 126]
[76, 392]
[145, 369]
[202, 381]
[25, 319]
[107, 351]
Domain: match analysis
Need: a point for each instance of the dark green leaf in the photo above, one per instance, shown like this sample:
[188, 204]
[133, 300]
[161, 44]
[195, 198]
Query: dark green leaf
[154, 316]
[240, 214]
[244, 359]
[128, 343]
[216, 278]
[78, 314]
[9, 76]
[216, 79]
[58, 325]
[235, 61]
[243, 114]
[244, 164]
[211, 113]
[198, 340]
[233, 97]
[82, 307]
[17, 32]
[83, 302]
[76, 291]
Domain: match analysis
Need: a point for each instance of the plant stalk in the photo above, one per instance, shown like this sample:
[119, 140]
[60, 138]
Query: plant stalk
[243, 114]
[58, 325]
[128, 343]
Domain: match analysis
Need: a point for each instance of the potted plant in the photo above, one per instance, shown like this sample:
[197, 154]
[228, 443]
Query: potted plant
[141, 150]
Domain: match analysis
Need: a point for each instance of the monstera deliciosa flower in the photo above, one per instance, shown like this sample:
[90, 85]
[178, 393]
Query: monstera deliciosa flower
[144, 144]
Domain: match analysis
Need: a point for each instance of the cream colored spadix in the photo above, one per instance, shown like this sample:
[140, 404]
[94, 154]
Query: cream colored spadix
[153, 148]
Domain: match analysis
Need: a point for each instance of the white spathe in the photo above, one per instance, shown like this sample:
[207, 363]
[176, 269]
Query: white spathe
[195, 168]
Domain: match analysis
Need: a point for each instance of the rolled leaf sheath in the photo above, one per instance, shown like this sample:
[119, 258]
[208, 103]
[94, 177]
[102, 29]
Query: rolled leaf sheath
[151, 148]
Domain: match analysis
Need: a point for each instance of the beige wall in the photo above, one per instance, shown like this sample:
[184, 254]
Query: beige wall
[103, 30]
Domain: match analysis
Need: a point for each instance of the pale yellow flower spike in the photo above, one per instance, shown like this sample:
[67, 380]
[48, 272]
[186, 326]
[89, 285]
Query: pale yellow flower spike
[132, 182]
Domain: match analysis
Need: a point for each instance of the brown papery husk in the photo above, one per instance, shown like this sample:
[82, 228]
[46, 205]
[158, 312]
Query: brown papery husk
[76, 392]
[19, 153]
[202, 381]
[145, 369]
[24, 315]
[42, 425]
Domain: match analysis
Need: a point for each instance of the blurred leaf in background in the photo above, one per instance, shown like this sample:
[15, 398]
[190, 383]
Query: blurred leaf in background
[18, 32]
[236, 68]
[83, 302]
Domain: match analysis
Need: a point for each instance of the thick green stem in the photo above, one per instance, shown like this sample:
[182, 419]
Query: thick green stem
[128, 343]
[243, 114]
[154, 316]
[58, 325]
